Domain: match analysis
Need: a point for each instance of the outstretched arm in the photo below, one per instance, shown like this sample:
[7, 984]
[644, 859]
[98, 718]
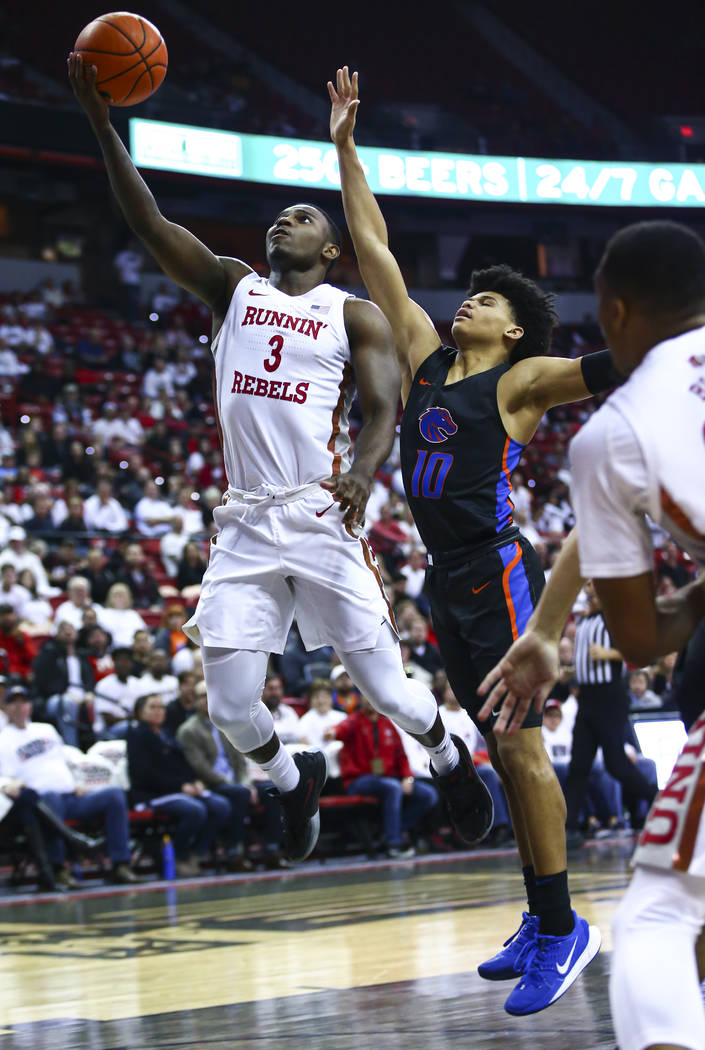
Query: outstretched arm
[534, 385]
[180, 255]
[378, 383]
[414, 333]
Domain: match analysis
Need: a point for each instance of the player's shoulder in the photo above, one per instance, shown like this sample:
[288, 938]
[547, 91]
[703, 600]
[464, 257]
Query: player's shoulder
[362, 316]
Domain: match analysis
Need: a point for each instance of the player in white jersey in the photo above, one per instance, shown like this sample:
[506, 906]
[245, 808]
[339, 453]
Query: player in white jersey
[286, 351]
[642, 453]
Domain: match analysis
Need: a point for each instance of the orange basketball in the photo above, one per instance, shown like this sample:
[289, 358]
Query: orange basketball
[129, 54]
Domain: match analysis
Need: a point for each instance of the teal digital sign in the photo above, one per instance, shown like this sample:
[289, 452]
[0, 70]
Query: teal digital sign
[529, 180]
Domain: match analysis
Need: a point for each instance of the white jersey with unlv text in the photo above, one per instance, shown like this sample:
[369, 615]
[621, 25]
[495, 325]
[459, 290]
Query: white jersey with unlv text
[643, 453]
[284, 386]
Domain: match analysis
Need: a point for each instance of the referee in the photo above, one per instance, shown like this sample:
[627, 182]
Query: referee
[603, 714]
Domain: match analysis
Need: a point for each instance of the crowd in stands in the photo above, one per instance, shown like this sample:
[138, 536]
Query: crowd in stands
[109, 472]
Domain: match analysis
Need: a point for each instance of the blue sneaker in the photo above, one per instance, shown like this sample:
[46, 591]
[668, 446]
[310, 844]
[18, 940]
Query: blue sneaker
[551, 966]
[508, 963]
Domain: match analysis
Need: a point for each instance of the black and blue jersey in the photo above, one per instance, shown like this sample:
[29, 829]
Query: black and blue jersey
[456, 457]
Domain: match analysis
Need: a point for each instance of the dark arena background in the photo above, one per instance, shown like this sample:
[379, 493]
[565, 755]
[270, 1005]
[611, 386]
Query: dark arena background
[492, 133]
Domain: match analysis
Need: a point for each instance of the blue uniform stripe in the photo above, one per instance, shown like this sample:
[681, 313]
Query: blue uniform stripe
[504, 507]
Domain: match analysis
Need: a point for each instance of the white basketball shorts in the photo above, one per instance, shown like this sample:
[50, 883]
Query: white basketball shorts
[272, 561]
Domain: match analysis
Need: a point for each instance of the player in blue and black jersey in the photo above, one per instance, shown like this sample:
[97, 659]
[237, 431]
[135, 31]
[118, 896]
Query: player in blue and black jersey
[468, 413]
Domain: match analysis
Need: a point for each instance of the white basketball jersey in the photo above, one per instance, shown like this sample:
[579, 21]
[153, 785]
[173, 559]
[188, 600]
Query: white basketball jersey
[284, 385]
[664, 403]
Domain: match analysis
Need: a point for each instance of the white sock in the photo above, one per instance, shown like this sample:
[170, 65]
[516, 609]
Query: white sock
[444, 756]
[282, 770]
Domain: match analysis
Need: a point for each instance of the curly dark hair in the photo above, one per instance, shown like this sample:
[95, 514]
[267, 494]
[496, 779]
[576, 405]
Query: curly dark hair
[532, 309]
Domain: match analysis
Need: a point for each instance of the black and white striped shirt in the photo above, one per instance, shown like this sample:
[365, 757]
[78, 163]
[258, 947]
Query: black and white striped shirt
[594, 672]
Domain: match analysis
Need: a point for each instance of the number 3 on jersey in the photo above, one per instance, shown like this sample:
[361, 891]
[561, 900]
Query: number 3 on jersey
[430, 473]
[275, 359]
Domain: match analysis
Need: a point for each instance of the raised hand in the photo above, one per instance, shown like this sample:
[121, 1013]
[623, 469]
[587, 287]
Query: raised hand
[344, 103]
[82, 78]
[523, 676]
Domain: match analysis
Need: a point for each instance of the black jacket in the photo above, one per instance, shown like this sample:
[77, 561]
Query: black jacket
[156, 764]
[51, 672]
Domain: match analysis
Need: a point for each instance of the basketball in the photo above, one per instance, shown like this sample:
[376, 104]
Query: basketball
[129, 54]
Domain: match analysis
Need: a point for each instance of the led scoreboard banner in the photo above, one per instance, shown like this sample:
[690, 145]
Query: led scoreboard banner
[530, 180]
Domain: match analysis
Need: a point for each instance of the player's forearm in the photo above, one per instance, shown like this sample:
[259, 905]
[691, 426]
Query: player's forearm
[362, 213]
[374, 443]
[131, 191]
[556, 602]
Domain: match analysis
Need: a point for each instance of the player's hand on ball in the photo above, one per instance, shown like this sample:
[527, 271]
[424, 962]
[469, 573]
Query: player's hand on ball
[524, 675]
[344, 103]
[352, 493]
[82, 78]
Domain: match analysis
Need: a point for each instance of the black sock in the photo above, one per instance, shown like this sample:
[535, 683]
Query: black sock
[553, 904]
[530, 884]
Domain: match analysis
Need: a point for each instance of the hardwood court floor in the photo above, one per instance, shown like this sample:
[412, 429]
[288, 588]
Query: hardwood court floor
[361, 956]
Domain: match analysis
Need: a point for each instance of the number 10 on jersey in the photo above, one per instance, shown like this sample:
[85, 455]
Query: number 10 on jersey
[430, 473]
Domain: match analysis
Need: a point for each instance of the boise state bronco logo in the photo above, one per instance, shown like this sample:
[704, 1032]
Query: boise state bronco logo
[436, 424]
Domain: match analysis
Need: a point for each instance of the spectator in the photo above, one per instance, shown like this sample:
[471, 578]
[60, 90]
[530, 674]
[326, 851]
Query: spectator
[423, 652]
[345, 695]
[153, 515]
[286, 720]
[37, 613]
[41, 523]
[320, 715]
[164, 300]
[64, 679]
[171, 637]
[373, 762]
[118, 617]
[73, 522]
[183, 705]
[172, 545]
[189, 511]
[79, 599]
[415, 572]
[23, 811]
[19, 649]
[162, 778]
[102, 512]
[672, 565]
[10, 365]
[107, 426]
[641, 697]
[156, 679]
[158, 378]
[11, 592]
[95, 643]
[17, 553]
[142, 645]
[31, 752]
[141, 584]
[127, 427]
[215, 762]
[115, 697]
[191, 568]
[90, 349]
[182, 371]
[99, 578]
